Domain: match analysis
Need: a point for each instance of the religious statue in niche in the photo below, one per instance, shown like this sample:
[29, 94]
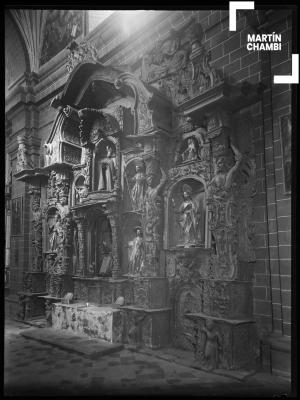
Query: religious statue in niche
[139, 187]
[81, 189]
[107, 170]
[106, 265]
[210, 358]
[189, 221]
[136, 253]
[55, 233]
[191, 152]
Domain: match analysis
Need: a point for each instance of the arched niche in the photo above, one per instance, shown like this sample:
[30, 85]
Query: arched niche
[186, 216]
[99, 245]
[131, 221]
[79, 189]
[134, 184]
[105, 165]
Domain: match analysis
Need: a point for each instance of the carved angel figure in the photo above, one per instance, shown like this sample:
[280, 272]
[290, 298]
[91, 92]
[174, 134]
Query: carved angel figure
[136, 252]
[224, 178]
[107, 170]
[152, 198]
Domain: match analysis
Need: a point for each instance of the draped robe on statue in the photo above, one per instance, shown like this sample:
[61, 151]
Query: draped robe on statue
[136, 255]
[106, 174]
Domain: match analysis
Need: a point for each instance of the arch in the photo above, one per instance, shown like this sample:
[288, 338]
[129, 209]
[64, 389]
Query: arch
[187, 299]
[99, 241]
[79, 185]
[81, 78]
[171, 185]
[16, 54]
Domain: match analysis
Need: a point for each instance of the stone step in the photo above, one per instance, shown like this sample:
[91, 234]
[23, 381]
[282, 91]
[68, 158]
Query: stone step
[90, 348]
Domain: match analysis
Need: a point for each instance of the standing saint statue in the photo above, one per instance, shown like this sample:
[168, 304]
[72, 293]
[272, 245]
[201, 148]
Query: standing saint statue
[54, 231]
[107, 170]
[136, 253]
[139, 187]
[188, 218]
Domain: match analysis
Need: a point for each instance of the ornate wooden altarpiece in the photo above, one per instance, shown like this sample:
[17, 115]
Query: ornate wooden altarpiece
[150, 181]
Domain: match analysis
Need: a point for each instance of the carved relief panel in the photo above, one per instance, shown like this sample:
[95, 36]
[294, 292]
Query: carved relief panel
[179, 66]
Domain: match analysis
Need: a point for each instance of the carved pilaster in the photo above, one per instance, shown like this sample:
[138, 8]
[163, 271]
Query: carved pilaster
[68, 226]
[112, 214]
[37, 230]
[82, 246]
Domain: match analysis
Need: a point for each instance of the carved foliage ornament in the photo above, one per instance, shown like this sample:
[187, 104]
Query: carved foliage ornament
[79, 52]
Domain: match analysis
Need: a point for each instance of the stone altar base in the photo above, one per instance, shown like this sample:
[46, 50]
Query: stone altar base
[224, 343]
[93, 321]
[35, 282]
[149, 292]
[59, 284]
[144, 327]
[101, 290]
[30, 305]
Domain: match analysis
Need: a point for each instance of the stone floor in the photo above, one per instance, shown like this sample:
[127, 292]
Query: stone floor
[32, 368]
